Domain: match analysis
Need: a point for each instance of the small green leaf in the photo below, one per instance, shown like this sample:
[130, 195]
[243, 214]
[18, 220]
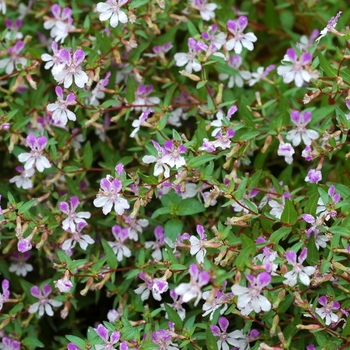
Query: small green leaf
[111, 257]
[32, 343]
[138, 3]
[325, 65]
[160, 211]
[210, 340]
[244, 257]
[241, 189]
[197, 161]
[343, 231]
[246, 241]
[87, 156]
[313, 254]
[191, 28]
[281, 233]
[173, 316]
[289, 215]
[26, 206]
[80, 343]
[190, 206]
[172, 229]
[201, 84]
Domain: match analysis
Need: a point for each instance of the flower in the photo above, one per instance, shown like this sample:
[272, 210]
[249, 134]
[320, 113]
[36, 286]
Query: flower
[162, 338]
[20, 268]
[109, 341]
[35, 157]
[156, 285]
[177, 305]
[235, 79]
[197, 247]
[10, 344]
[113, 315]
[97, 92]
[240, 39]
[73, 218]
[77, 237]
[118, 246]
[159, 242]
[325, 312]
[313, 176]
[72, 68]
[24, 245]
[141, 121]
[296, 70]
[53, 61]
[205, 10]
[192, 290]
[14, 60]
[211, 305]
[4, 296]
[286, 150]
[261, 74]
[218, 39]
[330, 26]
[303, 272]
[173, 156]
[111, 10]
[23, 180]
[44, 305]
[143, 100]
[189, 59]
[135, 226]
[223, 140]
[108, 196]
[64, 285]
[301, 120]
[60, 110]
[160, 166]
[250, 299]
[276, 207]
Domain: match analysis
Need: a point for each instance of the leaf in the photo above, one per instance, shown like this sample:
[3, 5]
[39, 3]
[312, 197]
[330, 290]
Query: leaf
[325, 65]
[190, 206]
[130, 91]
[192, 29]
[343, 231]
[173, 316]
[201, 84]
[32, 343]
[172, 229]
[87, 155]
[311, 204]
[210, 340]
[197, 161]
[26, 206]
[170, 199]
[281, 233]
[313, 254]
[241, 189]
[246, 241]
[111, 257]
[160, 211]
[289, 215]
[138, 3]
[244, 257]
[80, 343]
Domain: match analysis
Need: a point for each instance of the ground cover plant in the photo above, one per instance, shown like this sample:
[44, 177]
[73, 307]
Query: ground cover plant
[174, 174]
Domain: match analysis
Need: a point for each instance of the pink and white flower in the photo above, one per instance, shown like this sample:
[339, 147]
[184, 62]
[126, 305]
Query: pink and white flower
[109, 341]
[189, 59]
[286, 150]
[173, 156]
[160, 166]
[13, 62]
[118, 246]
[142, 100]
[206, 10]
[77, 237]
[53, 61]
[4, 296]
[326, 311]
[141, 121]
[35, 158]
[250, 299]
[313, 176]
[240, 39]
[197, 247]
[235, 79]
[111, 10]
[19, 266]
[24, 179]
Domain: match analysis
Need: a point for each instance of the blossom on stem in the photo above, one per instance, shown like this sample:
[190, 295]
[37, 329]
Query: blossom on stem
[276, 207]
[4, 296]
[44, 305]
[173, 156]
[192, 290]
[23, 180]
[238, 78]
[13, 27]
[118, 246]
[77, 237]
[97, 92]
[177, 305]
[135, 227]
[109, 341]
[109, 196]
[206, 10]
[160, 166]
[286, 150]
[216, 38]
[20, 267]
[296, 69]
[240, 39]
[197, 247]
[157, 244]
[220, 301]
[13, 62]
[10, 344]
[223, 139]
[60, 110]
[330, 26]
[260, 74]
[156, 285]
[250, 299]
[54, 60]
[301, 133]
[71, 69]
[313, 176]
[141, 121]
[303, 272]
[162, 338]
[35, 158]
[328, 209]
[189, 59]
[24, 245]
[111, 10]
[326, 311]
[73, 217]
[142, 99]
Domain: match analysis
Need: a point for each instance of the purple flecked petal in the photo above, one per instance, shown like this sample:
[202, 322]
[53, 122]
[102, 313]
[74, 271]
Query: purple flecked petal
[230, 133]
[8, 23]
[42, 141]
[65, 56]
[102, 332]
[105, 185]
[116, 230]
[64, 207]
[306, 58]
[251, 279]
[292, 55]
[24, 245]
[335, 305]
[74, 201]
[295, 117]
[308, 218]
[322, 300]
[182, 149]
[66, 13]
[56, 10]
[191, 43]
[116, 185]
[35, 292]
[19, 46]
[263, 279]
[303, 255]
[141, 89]
[70, 98]
[291, 257]
[223, 323]
[204, 278]
[205, 36]
[59, 92]
[5, 285]
[124, 346]
[31, 141]
[200, 231]
[169, 146]
[72, 346]
[231, 111]
[242, 22]
[254, 334]
[79, 56]
[115, 336]
[215, 330]
[232, 26]
[193, 270]
[81, 225]
[47, 290]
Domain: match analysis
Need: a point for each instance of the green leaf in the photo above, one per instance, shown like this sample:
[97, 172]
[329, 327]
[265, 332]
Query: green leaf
[246, 241]
[281, 233]
[343, 231]
[313, 254]
[201, 84]
[111, 257]
[244, 257]
[289, 215]
[26, 206]
[160, 211]
[325, 65]
[210, 340]
[87, 156]
[190, 206]
[192, 29]
[241, 189]
[80, 343]
[197, 161]
[138, 3]
[130, 91]
[32, 343]
[172, 228]
[311, 204]
[170, 199]
[173, 316]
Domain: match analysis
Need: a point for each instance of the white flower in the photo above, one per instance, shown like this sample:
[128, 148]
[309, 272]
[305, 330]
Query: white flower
[14, 60]
[20, 267]
[23, 180]
[189, 59]
[44, 304]
[205, 10]
[111, 10]
[120, 235]
[197, 247]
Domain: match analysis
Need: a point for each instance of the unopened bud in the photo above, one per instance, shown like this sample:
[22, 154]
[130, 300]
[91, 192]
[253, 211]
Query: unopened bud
[191, 76]
[310, 327]
[275, 322]
[31, 82]
[238, 277]
[280, 297]
[87, 287]
[267, 143]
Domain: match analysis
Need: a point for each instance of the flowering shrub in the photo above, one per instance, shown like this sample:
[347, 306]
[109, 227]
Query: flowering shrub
[175, 175]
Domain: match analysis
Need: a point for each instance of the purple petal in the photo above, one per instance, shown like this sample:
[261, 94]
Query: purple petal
[115, 336]
[102, 332]
[105, 185]
[35, 292]
[65, 56]
[200, 231]
[74, 201]
[19, 46]
[215, 330]
[203, 279]
[79, 56]
[56, 10]
[232, 26]
[59, 92]
[291, 257]
[205, 36]
[70, 98]
[335, 305]
[292, 55]
[223, 323]
[5, 285]
[193, 270]
[306, 117]
[242, 22]
[295, 117]
[231, 111]
[31, 141]
[322, 300]
[306, 58]
[303, 255]
[308, 218]
[124, 346]
[47, 290]
[42, 141]
[263, 279]
[64, 207]
[169, 146]
[116, 185]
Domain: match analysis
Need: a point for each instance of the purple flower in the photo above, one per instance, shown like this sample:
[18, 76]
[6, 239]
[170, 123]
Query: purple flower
[286, 150]
[72, 69]
[20, 267]
[111, 10]
[303, 272]
[189, 59]
[4, 296]
[160, 166]
[307, 153]
[23, 180]
[44, 304]
[53, 61]
[240, 39]
[206, 10]
[192, 290]
[296, 70]
[143, 100]
[156, 285]
[35, 158]
[235, 79]
[14, 60]
[141, 121]
[73, 218]
[261, 74]
[78, 237]
[108, 196]
[10, 344]
[157, 244]
[313, 176]
[250, 299]
[330, 26]
[325, 312]
[118, 246]
[24, 245]
[173, 156]
[163, 339]
[197, 245]
[64, 285]
[109, 341]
